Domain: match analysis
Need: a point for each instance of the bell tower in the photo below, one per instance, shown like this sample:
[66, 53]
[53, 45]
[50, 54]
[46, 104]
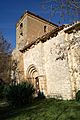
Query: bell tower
[30, 27]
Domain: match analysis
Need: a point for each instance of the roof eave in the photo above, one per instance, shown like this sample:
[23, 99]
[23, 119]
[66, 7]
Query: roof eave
[74, 27]
[44, 37]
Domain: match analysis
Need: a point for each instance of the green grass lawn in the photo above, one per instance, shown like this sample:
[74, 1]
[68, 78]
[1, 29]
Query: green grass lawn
[48, 109]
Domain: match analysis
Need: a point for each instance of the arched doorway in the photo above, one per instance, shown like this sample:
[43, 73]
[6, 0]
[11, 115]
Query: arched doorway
[32, 76]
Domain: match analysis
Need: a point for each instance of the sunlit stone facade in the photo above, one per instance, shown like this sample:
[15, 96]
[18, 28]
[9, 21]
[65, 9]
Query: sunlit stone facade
[48, 56]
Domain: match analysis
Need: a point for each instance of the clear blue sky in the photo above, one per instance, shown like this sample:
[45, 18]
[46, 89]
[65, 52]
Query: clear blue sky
[10, 12]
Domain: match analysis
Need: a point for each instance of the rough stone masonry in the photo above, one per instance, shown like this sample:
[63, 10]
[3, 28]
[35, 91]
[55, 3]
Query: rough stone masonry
[48, 56]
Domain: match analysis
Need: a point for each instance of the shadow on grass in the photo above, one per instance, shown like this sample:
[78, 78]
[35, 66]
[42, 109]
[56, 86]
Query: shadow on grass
[8, 112]
[64, 110]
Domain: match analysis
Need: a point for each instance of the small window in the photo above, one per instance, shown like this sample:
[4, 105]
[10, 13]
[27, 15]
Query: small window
[45, 28]
[21, 29]
[21, 25]
[21, 33]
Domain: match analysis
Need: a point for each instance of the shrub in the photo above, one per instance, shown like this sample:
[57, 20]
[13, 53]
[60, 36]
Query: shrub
[78, 96]
[1, 89]
[1, 92]
[20, 94]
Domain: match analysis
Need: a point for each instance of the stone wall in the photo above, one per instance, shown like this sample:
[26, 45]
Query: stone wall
[34, 57]
[35, 28]
[56, 66]
[17, 57]
[45, 56]
[54, 61]
[73, 40]
[21, 40]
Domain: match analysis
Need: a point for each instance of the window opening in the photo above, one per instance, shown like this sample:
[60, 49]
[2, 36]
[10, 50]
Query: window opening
[45, 28]
[21, 25]
[21, 29]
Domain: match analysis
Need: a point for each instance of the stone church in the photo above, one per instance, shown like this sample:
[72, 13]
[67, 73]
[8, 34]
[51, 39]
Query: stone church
[48, 55]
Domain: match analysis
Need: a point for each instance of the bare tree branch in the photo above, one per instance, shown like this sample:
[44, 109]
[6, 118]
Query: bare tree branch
[5, 58]
[63, 8]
